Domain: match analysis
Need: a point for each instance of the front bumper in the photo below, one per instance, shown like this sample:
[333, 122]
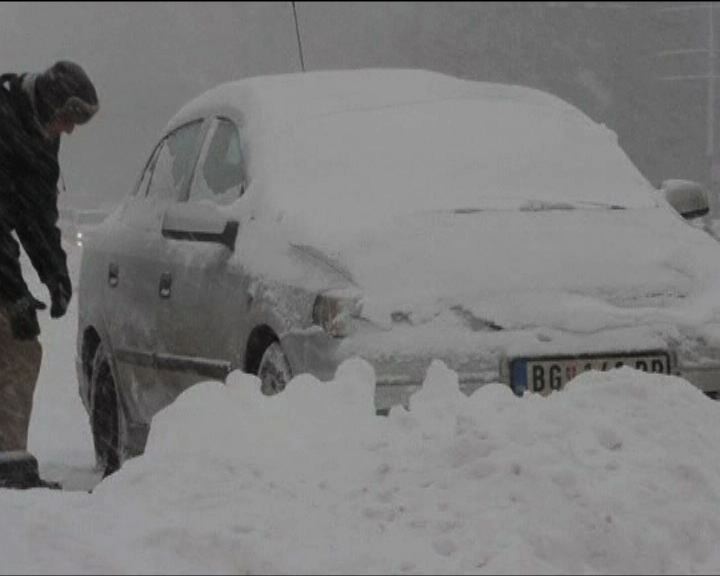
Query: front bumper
[402, 357]
[706, 378]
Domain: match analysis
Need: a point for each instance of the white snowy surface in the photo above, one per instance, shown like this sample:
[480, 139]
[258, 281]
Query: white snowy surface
[59, 429]
[619, 473]
[324, 145]
[453, 154]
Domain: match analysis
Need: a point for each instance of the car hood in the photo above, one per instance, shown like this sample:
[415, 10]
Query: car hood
[573, 269]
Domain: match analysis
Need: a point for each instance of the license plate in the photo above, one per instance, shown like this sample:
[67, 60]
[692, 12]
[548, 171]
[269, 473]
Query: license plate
[545, 375]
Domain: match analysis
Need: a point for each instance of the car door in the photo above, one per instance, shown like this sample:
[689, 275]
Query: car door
[199, 318]
[134, 280]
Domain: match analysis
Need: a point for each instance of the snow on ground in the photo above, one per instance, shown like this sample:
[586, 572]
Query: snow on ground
[619, 473]
[59, 429]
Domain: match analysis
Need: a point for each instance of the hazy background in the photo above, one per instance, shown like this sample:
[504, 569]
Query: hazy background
[148, 59]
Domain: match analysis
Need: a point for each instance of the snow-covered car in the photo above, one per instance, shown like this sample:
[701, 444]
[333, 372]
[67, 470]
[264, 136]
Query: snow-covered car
[285, 224]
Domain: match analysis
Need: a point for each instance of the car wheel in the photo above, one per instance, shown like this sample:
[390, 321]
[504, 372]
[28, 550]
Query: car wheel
[274, 371]
[105, 414]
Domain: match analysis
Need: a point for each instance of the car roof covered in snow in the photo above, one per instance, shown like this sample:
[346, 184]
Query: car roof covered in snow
[377, 143]
[280, 100]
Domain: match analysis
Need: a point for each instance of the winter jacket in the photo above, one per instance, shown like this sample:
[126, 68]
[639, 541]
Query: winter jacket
[29, 173]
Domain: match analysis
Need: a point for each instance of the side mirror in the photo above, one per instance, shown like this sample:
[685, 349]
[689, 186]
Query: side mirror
[199, 223]
[689, 198]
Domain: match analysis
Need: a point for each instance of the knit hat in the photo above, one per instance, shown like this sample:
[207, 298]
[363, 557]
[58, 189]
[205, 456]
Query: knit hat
[64, 90]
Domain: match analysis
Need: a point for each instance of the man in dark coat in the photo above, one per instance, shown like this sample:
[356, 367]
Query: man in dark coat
[35, 110]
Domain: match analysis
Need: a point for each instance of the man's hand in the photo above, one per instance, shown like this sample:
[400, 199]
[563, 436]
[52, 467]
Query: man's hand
[60, 294]
[23, 317]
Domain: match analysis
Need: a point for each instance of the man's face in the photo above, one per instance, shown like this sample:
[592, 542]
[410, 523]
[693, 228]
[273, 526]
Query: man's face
[60, 125]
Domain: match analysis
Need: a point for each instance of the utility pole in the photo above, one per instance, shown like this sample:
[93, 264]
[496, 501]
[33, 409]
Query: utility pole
[711, 87]
[299, 41]
[710, 77]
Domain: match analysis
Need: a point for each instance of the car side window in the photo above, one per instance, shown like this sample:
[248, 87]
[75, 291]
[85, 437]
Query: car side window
[174, 163]
[221, 176]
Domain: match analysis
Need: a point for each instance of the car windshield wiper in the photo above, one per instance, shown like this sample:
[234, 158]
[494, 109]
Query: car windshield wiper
[583, 203]
[542, 205]
[538, 206]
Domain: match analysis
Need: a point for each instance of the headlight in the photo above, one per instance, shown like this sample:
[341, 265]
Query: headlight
[334, 312]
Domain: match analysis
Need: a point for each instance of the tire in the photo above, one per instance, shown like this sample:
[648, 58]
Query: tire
[105, 419]
[274, 371]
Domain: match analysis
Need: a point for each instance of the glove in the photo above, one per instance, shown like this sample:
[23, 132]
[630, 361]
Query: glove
[23, 317]
[60, 294]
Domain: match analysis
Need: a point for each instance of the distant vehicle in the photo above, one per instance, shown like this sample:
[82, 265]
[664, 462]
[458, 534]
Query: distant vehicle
[77, 225]
[284, 224]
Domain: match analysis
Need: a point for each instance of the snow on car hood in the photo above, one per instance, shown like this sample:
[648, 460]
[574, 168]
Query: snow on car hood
[505, 212]
[578, 270]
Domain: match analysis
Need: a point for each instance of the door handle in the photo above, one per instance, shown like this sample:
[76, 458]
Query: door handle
[165, 289]
[113, 274]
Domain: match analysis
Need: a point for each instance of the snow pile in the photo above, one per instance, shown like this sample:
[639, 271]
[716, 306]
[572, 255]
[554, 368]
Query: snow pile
[618, 473]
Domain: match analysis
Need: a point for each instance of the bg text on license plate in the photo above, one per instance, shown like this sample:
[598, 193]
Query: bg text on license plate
[544, 375]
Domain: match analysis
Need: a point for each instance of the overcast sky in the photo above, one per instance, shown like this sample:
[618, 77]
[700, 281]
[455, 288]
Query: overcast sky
[148, 59]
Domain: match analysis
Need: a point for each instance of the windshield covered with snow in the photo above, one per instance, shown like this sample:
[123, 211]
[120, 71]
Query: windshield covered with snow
[451, 155]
